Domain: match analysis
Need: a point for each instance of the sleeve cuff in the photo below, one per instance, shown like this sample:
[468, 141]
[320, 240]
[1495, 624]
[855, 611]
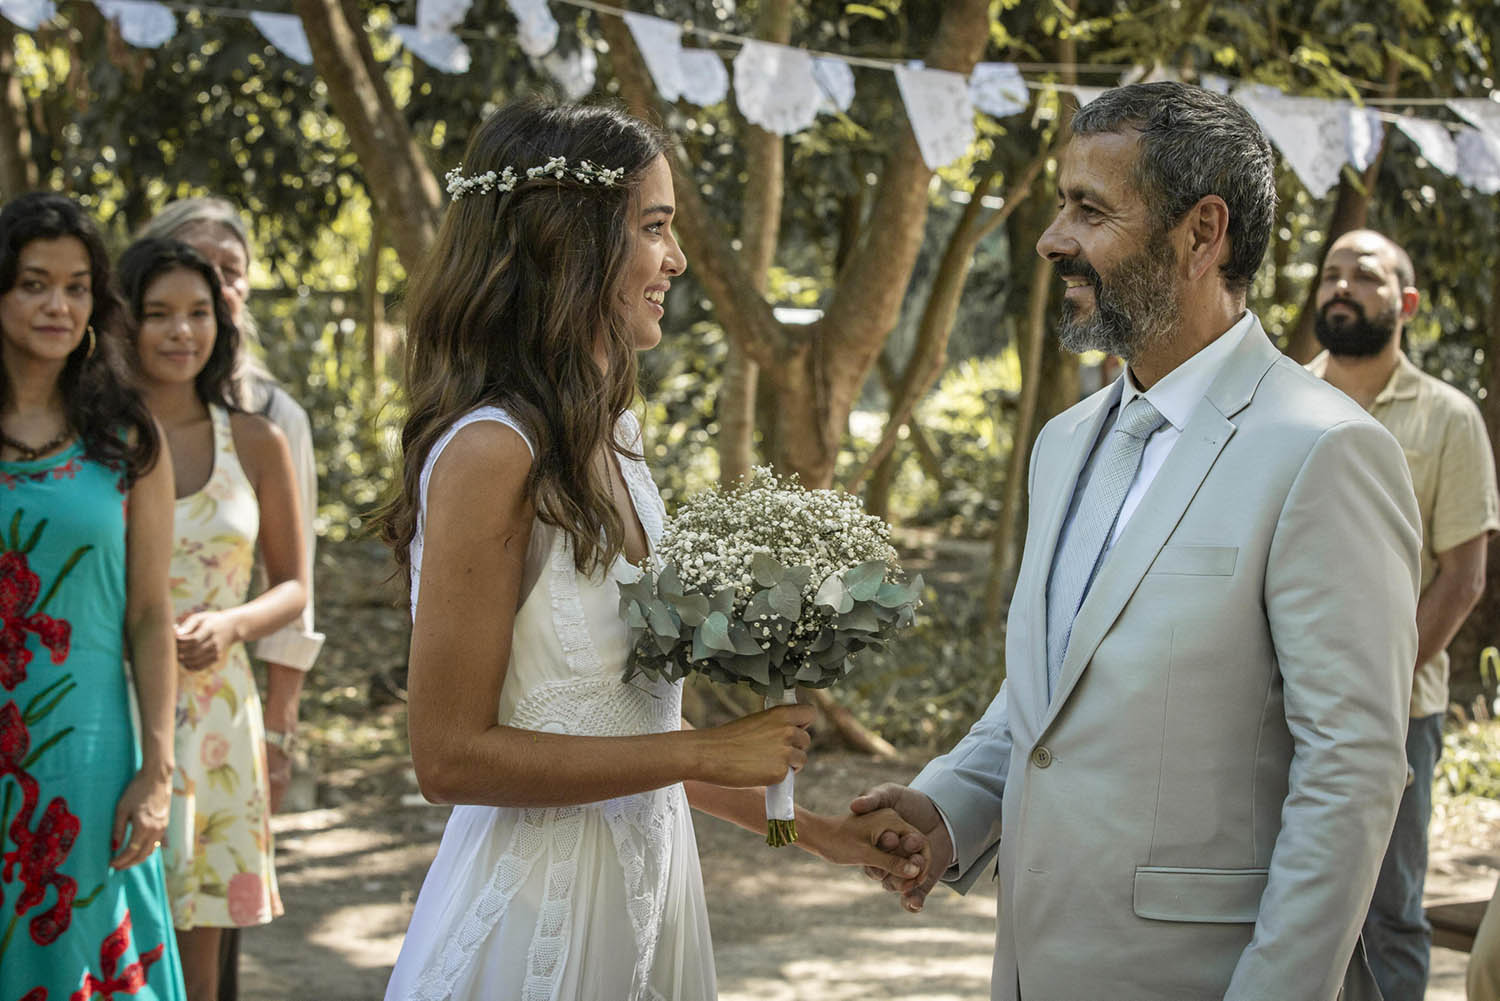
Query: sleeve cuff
[290, 647]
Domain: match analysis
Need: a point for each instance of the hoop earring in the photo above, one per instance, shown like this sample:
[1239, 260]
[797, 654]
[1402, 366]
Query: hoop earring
[93, 343]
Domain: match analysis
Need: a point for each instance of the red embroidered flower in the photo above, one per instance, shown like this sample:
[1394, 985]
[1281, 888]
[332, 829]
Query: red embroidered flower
[130, 980]
[19, 588]
[38, 853]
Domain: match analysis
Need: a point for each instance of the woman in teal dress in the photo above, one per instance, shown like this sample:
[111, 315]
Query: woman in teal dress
[85, 544]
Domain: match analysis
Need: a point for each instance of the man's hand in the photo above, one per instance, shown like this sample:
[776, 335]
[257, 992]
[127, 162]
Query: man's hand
[919, 811]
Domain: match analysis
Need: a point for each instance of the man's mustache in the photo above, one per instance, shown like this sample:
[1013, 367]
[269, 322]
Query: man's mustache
[1358, 310]
[1077, 267]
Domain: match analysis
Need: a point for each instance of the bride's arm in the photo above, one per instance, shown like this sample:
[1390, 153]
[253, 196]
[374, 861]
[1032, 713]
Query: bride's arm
[842, 840]
[478, 525]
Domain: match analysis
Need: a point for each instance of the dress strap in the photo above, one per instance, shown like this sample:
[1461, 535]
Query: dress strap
[227, 465]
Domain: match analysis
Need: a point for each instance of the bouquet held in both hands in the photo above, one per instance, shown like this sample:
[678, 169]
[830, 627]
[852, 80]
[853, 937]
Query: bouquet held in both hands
[772, 585]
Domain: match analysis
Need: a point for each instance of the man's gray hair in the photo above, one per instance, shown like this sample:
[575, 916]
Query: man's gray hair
[1194, 143]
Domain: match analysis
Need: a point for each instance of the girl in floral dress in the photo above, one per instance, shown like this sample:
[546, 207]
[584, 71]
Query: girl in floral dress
[234, 486]
[85, 537]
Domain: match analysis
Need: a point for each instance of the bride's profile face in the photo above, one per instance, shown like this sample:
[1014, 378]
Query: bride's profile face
[655, 257]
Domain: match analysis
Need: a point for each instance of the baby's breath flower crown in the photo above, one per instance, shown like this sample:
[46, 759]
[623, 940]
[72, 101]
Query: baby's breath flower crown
[557, 168]
[768, 583]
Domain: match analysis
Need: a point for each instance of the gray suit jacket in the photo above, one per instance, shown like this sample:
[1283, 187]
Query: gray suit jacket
[1201, 810]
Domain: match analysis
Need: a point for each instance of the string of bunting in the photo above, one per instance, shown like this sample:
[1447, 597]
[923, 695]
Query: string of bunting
[784, 88]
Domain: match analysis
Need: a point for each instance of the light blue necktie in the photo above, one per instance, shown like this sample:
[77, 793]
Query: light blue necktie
[1088, 534]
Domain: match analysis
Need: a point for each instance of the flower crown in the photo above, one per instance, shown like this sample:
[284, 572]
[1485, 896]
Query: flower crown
[584, 172]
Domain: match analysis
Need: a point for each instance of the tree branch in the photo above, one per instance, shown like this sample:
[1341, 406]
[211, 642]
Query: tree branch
[398, 176]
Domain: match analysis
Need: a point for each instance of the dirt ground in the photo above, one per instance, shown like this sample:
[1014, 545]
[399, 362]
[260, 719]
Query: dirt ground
[352, 853]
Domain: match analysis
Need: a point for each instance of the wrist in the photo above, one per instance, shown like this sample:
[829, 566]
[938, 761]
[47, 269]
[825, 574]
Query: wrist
[284, 741]
[156, 769]
[690, 755]
[810, 830]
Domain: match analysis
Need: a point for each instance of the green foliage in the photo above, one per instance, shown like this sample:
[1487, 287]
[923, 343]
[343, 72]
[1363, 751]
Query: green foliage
[1470, 764]
[926, 689]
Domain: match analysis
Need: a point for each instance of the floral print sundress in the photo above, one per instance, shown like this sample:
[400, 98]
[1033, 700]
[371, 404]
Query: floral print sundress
[71, 927]
[218, 851]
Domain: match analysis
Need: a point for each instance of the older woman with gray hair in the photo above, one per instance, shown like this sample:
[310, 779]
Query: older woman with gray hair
[214, 228]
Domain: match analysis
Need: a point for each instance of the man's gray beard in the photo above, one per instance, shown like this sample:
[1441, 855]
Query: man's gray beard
[1135, 311]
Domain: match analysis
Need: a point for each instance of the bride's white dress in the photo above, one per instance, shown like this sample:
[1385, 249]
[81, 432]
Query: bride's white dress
[599, 902]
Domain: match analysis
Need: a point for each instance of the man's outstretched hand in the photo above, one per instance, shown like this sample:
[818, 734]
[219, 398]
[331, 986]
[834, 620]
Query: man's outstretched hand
[919, 811]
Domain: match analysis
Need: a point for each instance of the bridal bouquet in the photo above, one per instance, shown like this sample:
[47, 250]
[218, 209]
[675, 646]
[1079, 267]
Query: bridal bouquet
[769, 584]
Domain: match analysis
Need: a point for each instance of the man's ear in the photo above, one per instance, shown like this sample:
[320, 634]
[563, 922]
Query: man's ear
[1207, 235]
[1410, 300]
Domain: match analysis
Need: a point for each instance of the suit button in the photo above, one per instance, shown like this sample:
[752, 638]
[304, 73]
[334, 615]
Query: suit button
[1041, 757]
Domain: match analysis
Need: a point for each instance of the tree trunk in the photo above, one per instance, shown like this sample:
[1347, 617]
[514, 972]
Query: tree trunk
[817, 371]
[931, 350]
[1023, 436]
[399, 178]
[374, 304]
[760, 230]
[18, 173]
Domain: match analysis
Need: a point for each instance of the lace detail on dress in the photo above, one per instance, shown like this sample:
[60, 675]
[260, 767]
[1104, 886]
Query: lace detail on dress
[641, 827]
[537, 830]
[601, 706]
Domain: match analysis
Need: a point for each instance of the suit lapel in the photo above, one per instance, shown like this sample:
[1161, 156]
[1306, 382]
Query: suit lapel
[1165, 501]
[1054, 497]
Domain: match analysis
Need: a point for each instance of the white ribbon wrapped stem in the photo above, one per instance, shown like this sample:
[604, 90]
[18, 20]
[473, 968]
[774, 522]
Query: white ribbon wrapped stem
[780, 798]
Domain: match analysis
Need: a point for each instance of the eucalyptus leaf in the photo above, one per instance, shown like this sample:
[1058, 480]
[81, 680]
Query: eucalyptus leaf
[669, 584]
[832, 594]
[864, 581]
[786, 601]
[860, 617]
[744, 643]
[756, 667]
[810, 673]
[692, 609]
[715, 632]
[633, 615]
[660, 617]
[798, 577]
[723, 600]
[766, 569]
[665, 643]
[759, 608]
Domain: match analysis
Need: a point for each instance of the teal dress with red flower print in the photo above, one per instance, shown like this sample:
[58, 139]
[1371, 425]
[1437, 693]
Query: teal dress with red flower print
[71, 927]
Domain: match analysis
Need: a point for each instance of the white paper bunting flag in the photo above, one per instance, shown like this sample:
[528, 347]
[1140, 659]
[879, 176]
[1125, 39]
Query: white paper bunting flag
[775, 87]
[1479, 112]
[1366, 133]
[28, 14]
[1311, 132]
[998, 89]
[285, 32]
[538, 34]
[1479, 160]
[941, 115]
[705, 81]
[836, 79]
[660, 42]
[1433, 140]
[438, 17]
[574, 70]
[1215, 83]
[446, 53]
[144, 24]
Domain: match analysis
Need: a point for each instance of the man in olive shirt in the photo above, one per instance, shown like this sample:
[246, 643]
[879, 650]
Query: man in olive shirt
[1366, 295]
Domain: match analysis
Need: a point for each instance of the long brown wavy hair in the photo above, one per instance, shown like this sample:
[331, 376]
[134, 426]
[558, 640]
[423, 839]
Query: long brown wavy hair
[520, 292]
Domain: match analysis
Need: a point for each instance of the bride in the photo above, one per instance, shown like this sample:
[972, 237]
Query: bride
[568, 868]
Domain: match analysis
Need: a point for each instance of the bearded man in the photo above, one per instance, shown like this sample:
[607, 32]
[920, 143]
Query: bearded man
[1366, 294]
[1189, 776]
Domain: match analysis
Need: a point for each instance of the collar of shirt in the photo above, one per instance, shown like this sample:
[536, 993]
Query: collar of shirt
[1177, 393]
[1404, 384]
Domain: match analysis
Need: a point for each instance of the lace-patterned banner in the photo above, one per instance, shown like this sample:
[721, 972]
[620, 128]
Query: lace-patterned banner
[784, 88]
